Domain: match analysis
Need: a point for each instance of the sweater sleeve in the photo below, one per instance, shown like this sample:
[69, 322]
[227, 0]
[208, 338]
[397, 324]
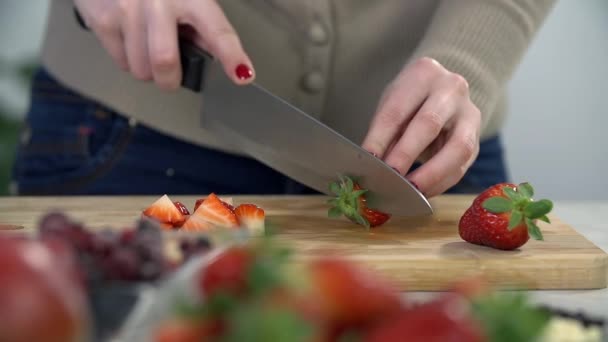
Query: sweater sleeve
[484, 41]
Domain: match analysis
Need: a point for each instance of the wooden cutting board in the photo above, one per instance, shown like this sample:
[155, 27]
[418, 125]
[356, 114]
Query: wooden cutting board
[417, 254]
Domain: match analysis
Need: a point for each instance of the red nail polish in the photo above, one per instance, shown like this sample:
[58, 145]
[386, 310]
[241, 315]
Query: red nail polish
[243, 72]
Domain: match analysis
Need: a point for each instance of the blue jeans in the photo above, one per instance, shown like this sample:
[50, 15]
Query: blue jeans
[74, 146]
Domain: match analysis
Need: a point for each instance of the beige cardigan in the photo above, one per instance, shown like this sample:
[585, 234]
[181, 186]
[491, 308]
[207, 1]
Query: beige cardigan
[333, 58]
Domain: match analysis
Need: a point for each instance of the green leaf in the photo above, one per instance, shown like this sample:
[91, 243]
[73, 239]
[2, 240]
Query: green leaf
[334, 188]
[497, 205]
[533, 230]
[361, 220]
[512, 194]
[358, 193]
[516, 218]
[534, 210]
[509, 317]
[260, 323]
[334, 212]
[349, 185]
[544, 218]
[526, 190]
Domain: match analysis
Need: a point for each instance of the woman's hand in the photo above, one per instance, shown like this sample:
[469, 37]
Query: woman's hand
[141, 36]
[426, 114]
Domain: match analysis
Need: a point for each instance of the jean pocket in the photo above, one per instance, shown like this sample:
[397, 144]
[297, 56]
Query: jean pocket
[67, 140]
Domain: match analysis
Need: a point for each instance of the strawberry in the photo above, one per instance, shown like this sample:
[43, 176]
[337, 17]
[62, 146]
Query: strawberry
[350, 201]
[448, 318]
[228, 272]
[504, 217]
[167, 213]
[216, 212]
[196, 223]
[250, 216]
[184, 330]
[350, 294]
[226, 202]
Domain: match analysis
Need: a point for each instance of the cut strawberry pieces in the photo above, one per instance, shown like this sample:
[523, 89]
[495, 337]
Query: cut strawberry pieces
[209, 213]
[216, 212]
[251, 217]
[167, 213]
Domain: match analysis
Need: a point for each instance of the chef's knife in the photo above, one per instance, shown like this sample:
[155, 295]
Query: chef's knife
[289, 140]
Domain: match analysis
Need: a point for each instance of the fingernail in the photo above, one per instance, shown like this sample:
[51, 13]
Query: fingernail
[415, 185]
[243, 72]
[394, 168]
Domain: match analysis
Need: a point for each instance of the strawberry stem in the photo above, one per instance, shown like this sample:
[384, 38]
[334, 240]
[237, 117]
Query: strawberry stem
[519, 203]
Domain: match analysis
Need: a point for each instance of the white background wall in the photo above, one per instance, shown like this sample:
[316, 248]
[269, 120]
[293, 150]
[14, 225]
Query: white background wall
[556, 134]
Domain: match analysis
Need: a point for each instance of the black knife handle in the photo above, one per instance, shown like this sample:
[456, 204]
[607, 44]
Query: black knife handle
[193, 60]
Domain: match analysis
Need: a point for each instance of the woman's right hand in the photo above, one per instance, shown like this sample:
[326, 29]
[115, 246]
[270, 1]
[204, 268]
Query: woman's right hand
[141, 36]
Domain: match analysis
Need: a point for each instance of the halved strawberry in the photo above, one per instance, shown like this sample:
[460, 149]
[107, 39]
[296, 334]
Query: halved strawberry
[216, 212]
[250, 216]
[226, 201]
[350, 201]
[165, 212]
[196, 223]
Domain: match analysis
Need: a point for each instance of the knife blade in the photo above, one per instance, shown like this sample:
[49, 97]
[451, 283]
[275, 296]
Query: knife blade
[297, 144]
[286, 138]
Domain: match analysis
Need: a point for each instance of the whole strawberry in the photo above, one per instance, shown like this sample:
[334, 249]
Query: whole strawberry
[504, 217]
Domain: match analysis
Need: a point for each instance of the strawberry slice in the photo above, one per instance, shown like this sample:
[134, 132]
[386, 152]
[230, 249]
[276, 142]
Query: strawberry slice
[227, 202]
[196, 223]
[215, 211]
[165, 212]
[250, 216]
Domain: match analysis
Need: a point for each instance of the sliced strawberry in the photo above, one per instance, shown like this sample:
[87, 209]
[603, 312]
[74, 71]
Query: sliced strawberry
[214, 211]
[182, 208]
[196, 223]
[165, 212]
[226, 201]
[250, 216]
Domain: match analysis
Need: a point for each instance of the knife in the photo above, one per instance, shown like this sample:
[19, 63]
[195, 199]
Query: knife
[289, 140]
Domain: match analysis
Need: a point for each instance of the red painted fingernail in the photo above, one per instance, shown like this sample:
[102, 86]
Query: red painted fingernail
[243, 72]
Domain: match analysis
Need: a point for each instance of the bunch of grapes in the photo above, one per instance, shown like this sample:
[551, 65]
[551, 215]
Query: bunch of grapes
[129, 255]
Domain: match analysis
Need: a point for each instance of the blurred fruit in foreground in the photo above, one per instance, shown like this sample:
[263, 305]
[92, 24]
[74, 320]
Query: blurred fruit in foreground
[41, 295]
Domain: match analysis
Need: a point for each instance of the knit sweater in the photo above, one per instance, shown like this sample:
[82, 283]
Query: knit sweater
[334, 58]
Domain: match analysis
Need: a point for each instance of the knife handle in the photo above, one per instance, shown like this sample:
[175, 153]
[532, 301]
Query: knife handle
[192, 58]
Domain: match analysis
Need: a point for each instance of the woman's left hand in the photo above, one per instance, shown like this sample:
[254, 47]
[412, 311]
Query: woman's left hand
[426, 114]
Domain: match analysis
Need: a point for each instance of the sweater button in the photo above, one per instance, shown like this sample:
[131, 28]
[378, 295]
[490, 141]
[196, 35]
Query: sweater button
[313, 82]
[317, 33]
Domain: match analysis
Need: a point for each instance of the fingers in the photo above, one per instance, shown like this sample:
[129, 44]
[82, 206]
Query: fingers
[422, 130]
[400, 102]
[106, 25]
[135, 32]
[452, 161]
[162, 44]
[218, 37]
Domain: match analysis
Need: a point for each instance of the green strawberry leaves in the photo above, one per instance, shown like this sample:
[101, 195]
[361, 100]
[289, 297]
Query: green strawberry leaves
[538, 209]
[518, 203]
[346, 200]
[498, 205]
[510, 317]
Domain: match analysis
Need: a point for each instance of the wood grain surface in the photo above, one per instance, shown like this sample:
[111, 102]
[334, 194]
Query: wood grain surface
[417, 254]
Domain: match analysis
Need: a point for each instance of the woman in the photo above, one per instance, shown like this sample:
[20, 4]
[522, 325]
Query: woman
[419, 83]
